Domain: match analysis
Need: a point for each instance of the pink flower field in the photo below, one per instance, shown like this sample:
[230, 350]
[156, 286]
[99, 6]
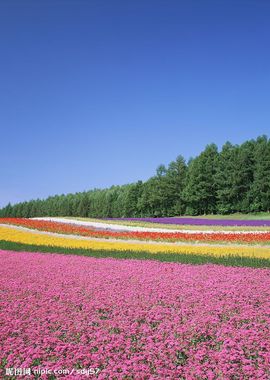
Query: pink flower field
[131, 319]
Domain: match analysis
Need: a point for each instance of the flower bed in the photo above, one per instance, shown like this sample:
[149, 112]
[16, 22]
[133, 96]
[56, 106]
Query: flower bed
[38, 238]
[134, 319]
[200, 221]
[58, 227]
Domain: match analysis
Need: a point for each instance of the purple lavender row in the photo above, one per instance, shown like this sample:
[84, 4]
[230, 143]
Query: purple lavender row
[200, 222]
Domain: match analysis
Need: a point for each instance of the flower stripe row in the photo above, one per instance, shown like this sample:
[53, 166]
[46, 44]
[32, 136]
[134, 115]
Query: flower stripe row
[18, 236]
[200, 221]
[58, 227]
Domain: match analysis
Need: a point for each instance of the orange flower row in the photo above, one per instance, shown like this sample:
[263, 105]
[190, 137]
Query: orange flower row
[64, 228]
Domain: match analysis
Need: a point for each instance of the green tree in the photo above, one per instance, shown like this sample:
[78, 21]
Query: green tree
[260, 189]
[175, 183]
[200, 189]
[224, 178]
[83, 206]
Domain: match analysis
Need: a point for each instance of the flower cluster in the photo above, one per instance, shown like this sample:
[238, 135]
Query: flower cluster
[200, 221]
[58, 227]
[134, 319]
[13, 234]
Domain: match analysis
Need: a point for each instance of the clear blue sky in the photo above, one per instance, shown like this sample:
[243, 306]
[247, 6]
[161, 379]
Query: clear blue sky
[95, 93]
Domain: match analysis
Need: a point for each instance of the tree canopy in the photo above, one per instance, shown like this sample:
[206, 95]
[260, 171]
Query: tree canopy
[236, 179]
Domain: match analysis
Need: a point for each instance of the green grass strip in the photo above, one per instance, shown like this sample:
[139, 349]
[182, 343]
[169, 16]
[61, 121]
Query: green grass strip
[165, 257]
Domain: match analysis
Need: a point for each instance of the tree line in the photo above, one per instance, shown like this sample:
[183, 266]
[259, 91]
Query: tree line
[236, 179]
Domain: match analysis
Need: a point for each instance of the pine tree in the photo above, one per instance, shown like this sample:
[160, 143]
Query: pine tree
[224, 179]
[200, 189]
[83, 206]
[260, 190]
[132, 196]
[175, 182]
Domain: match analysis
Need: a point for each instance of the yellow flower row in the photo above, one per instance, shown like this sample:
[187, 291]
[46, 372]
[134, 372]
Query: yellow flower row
[26, 237]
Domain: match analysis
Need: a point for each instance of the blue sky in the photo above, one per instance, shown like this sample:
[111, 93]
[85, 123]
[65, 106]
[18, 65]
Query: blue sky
[95, 93]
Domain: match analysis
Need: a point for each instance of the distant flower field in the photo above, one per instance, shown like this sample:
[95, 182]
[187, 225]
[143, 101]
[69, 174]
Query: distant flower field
[71, 234]
[200, 222]
[65, 228]
[74, 237]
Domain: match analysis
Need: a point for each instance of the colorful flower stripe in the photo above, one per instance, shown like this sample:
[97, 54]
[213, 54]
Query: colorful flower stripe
[19, 236]
[200, 222]
[155, 236]
[168, 227]
[133, 319]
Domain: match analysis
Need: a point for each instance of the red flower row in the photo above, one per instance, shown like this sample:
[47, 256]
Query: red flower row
[64, 228]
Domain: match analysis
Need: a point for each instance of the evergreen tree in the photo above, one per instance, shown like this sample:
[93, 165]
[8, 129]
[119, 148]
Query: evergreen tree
[243, 176]
[83, 206]
[235, 180]
[200, 189]
[175, 179]
[260, 190]
[132, 196]
[224, 178]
